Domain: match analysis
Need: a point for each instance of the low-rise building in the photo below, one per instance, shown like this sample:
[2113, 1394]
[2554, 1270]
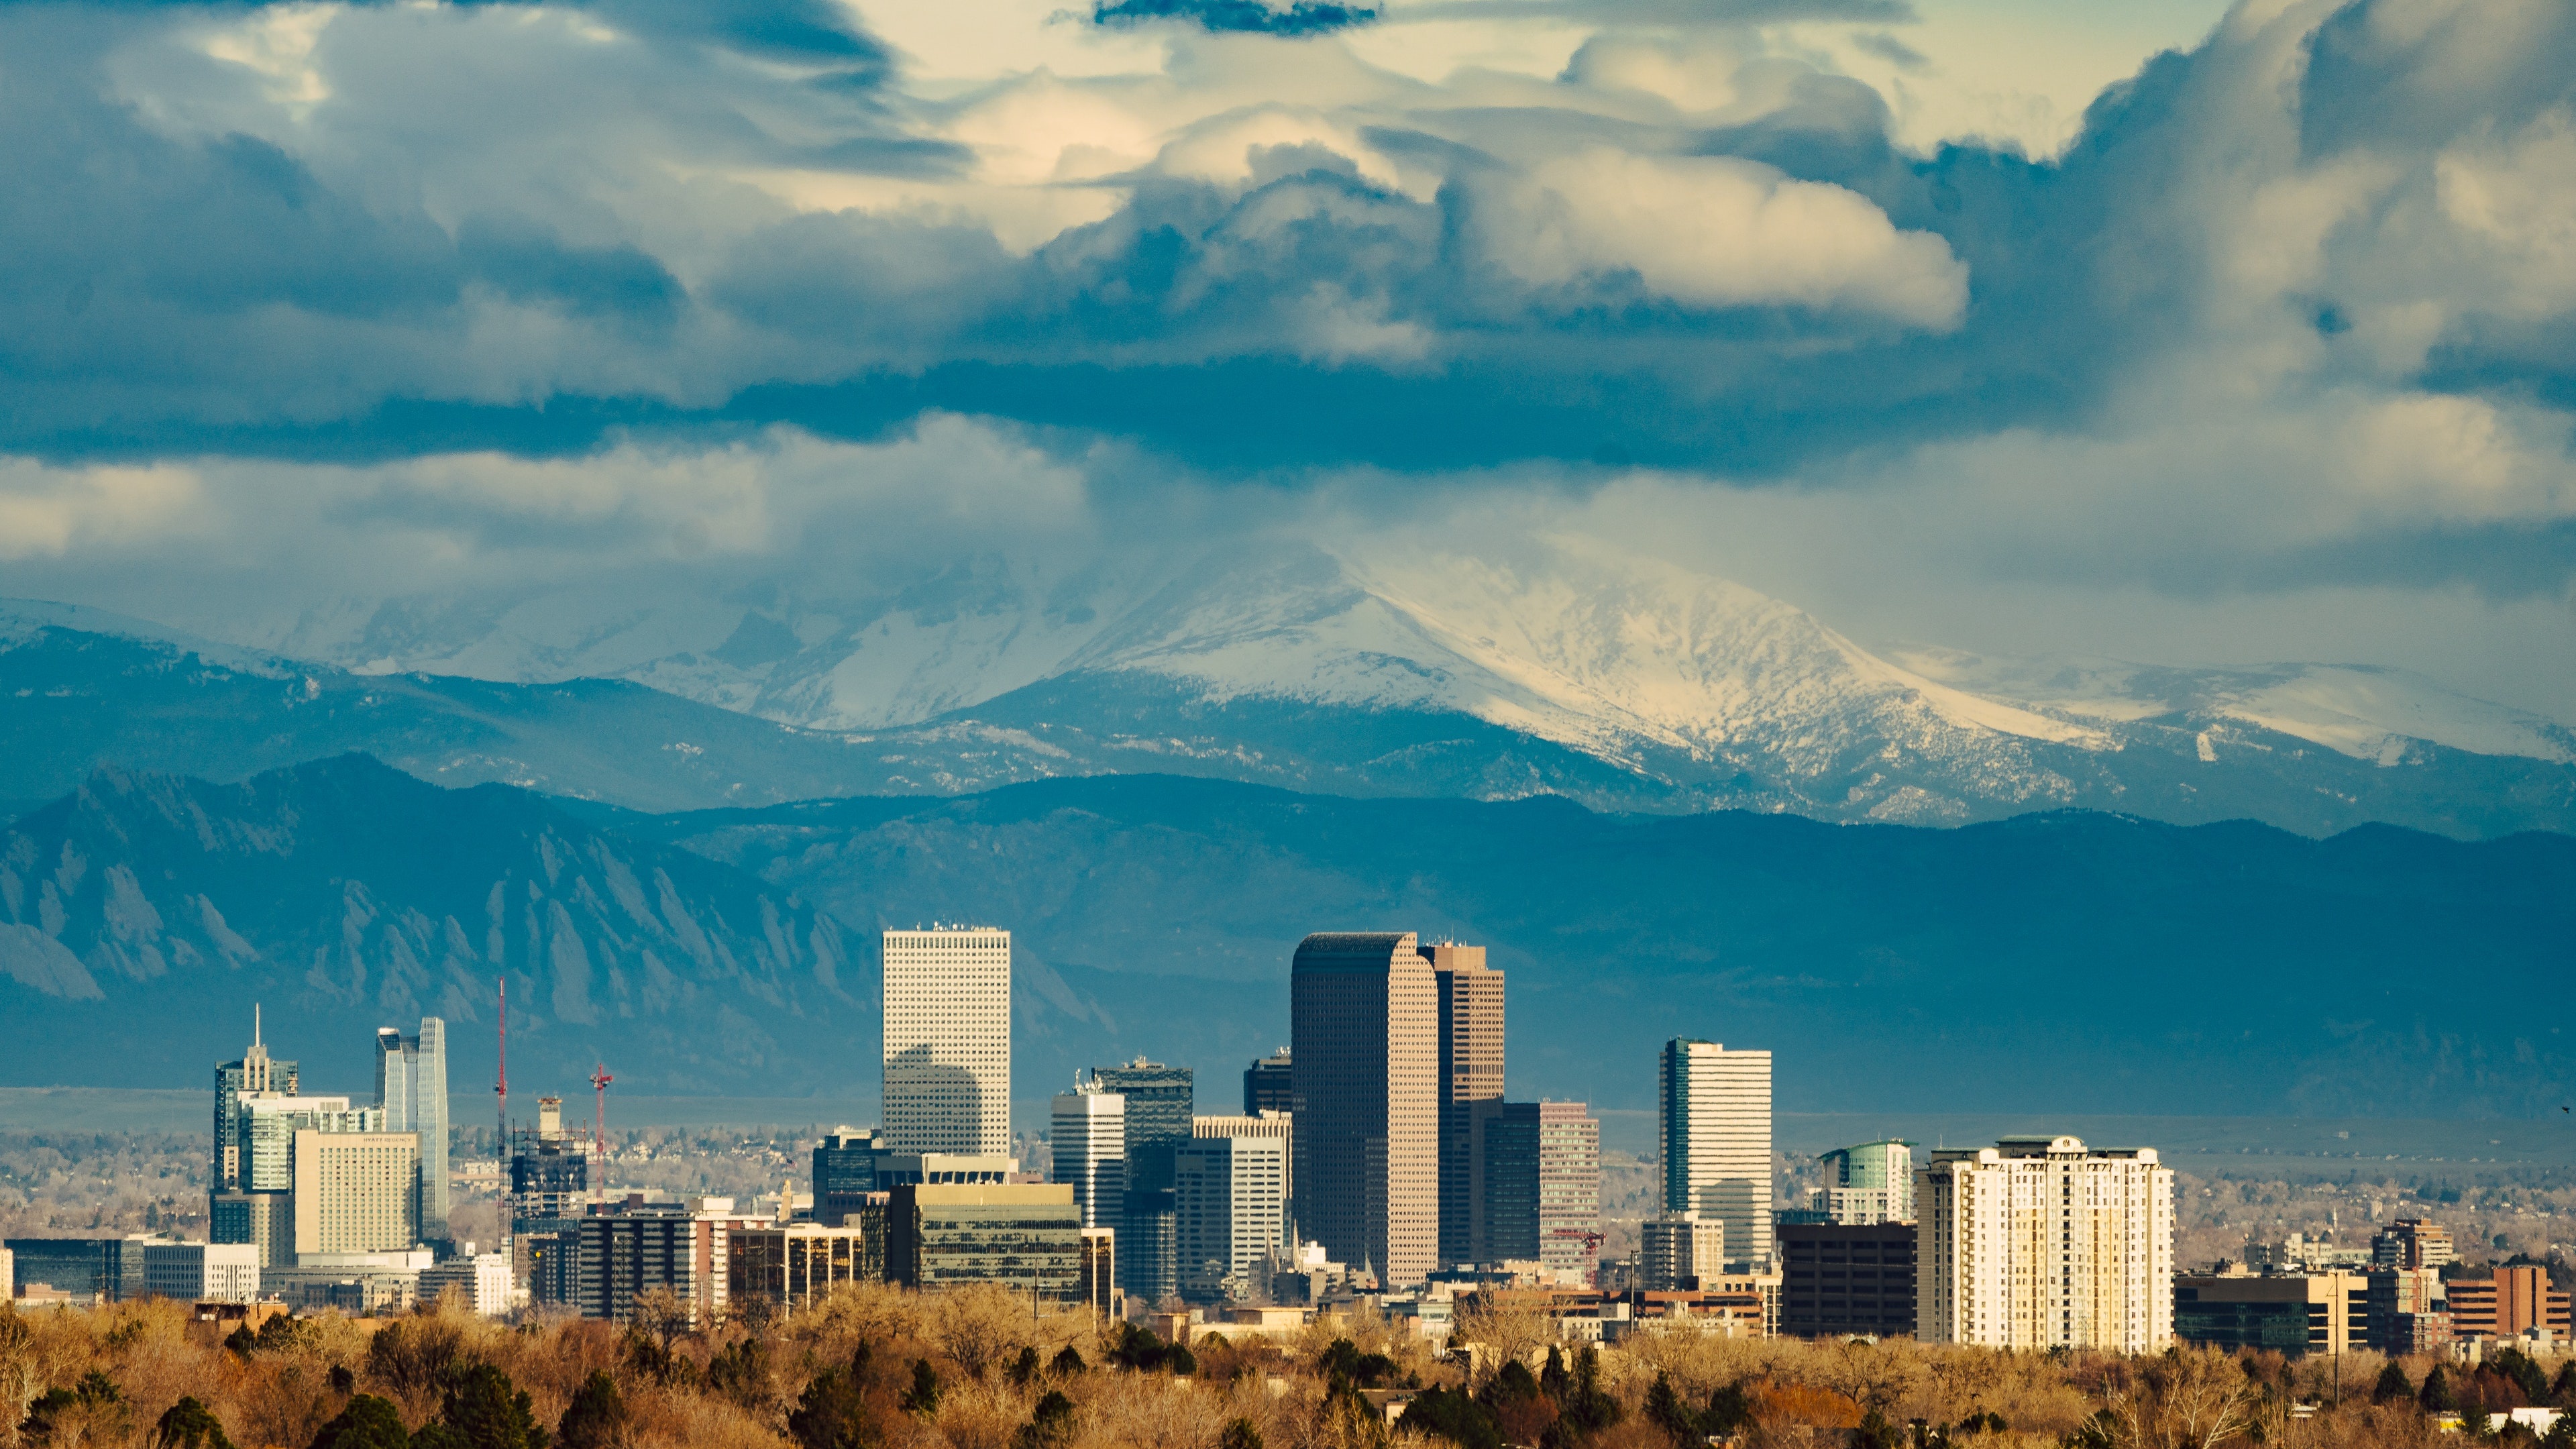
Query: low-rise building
[797, 1265]
[2413, 1243]
[2407, 1312]
[632, 1247]
[208, 1272]
[353, 1283]
[103, 1270]
[2507, 1304]
[1842, 1279]
[483, 1280]
[1026, 1237]
[1676, 1250]
[2289, 1313]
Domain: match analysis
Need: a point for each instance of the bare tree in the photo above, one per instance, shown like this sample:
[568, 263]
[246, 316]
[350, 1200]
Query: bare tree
[980, 1323]
[1502, 1327]
[2189, 1399]
[662, 1313]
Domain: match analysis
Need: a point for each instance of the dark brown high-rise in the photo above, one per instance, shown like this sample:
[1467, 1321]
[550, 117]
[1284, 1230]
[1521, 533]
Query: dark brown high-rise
[1471, 1071]
[1365, 1009]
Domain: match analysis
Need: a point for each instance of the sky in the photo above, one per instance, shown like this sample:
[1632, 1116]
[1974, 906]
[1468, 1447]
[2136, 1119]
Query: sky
[2166, 331]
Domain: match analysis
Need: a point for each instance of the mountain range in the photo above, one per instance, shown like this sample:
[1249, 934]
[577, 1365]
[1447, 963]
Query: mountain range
[1557, 667]
[2072, 961]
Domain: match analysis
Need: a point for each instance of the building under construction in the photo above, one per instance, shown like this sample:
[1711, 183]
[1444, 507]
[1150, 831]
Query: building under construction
[549, 1185]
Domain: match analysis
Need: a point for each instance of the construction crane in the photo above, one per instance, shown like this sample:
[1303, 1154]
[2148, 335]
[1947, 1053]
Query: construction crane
[599, 1080]
[501, 1144]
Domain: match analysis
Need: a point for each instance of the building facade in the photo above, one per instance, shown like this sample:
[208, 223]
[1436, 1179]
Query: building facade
[947, 1082]
[845, 1173]
[256, 1074]
[1160, 1103]
[2039, 1243]
[1026, 1237]
[2413, 1243]
[630, 1248]
[2295, 1314]
[1714, 1132]
[2507, 1304]
[1230, 1205]
[1871, 1183]
[483, 1280]
[1365, 1013]
[262, 1220]
[797, 1265]
[356, 1192]
[2408, 1311]
[1470, 1071]
[1500, 1186]
[1679, 1252]
[411, 1089]
[1270, 1084]
[1840, 1279]
[1569, 1189]
[202, 1272]
[109, 1270]
[1088, 1138]
[1096, 1281]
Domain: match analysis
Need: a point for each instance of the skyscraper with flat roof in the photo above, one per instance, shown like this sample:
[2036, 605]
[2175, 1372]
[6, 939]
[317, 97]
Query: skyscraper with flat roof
[1714, 1129]
[1471, 1071]
[1270, 1085]
[1157, 1110]
[947, 1083]
[1569, 1188]
[411, 1087]
[1089, 1139]
[1365, 1010]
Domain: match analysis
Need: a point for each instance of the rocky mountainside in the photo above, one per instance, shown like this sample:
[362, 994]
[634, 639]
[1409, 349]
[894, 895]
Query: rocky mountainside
[142, 915]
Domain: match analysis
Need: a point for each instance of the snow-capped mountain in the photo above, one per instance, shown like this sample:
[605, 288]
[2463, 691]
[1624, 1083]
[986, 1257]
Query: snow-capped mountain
[1559, 665]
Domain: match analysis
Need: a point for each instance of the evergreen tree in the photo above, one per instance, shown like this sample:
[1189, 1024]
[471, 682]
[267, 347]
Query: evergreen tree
[1051, 1425]
[1665, 1410]
[2563, 1392]
[1239, 1434]
[2437, 1396]
[367, 1423]
[1729, 1409]
[1066, 1363]
[923, 1397]
[2393, 1386]
[2516, 1365]
[832, 1413]
[189, 1426]
[1024, 1369]
[483, 1406]
[596, 1417]
[1454, 1415]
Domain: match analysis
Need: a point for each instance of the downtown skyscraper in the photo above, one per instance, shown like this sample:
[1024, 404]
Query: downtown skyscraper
[411, 1087]
[947, 1082]
[1470, 1072]
[1365, 1012]
[1714, 1130]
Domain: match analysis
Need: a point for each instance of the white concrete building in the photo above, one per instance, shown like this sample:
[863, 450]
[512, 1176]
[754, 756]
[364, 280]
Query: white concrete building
[1715, 1134]
[1088, 1134]
[202, 1272]
[484, 1279]
[1230, 1203]
[2042, 1242]
[947, 1083]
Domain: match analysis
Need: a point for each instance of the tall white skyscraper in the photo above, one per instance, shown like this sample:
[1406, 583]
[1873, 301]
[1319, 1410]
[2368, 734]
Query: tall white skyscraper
[411, 1085]
[2041, 1243]
[1089, 1135]
[948, 1040]
[1230, 1201]
[1715, 1132]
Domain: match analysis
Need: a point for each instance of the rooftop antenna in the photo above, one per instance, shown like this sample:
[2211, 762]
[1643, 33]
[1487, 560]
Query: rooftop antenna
[599, 1080]
[254, 1024]
[501, 1143]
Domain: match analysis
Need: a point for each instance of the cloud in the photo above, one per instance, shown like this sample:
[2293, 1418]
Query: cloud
[1302, 17]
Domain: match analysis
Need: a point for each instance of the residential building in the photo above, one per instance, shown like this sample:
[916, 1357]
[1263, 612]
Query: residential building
[2295, 1314]
[631, 1247]
[1160, 1102]
[356, 1192]
[411, 1090]
[797, 1265]
[263, 1220]
[1714, 1132]
[1365, 1013]
[1230, 1204]
[947, 1083]
[2044, 1242]
[1680, 1252]
[1470, 1071]
[1270, 1085]
[256, 1074]
[2506, 1304]
[1280, 1125]
[202, 1272]
[265, 1126]
[1839, 1279]
[2407, 1310]
[1024, 1236]
[1500, 1185]
[1871, 1183]
[549, 1185]
[1096, 1284]
[2413, 1243]
[845, 1174]
[1569, 1189]
[483, 1280]
[1088, 1135]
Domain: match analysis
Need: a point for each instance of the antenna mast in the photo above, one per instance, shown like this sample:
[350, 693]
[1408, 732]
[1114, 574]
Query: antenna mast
[599, 1080]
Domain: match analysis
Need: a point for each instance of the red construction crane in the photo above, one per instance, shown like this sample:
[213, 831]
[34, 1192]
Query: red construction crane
[501, 1144]
[599, 1080]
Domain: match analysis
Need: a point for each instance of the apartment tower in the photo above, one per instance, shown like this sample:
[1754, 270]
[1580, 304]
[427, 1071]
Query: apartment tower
[1471, 1071]
[2041, 1243]
[1365, 1016]
[411, 1087]
[256, 1073]
[1569, 1189]
[947, 1085]
[1230, 1201]
[1714, 1131]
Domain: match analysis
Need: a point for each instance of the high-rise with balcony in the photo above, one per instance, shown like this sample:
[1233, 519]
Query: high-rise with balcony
[2041, 1243]
[1868, 1184]
[1714, 1131]
[1365, 1012]
[411, 1087]
[1569, 1189]
[1470, 1071]
[947, 1083]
